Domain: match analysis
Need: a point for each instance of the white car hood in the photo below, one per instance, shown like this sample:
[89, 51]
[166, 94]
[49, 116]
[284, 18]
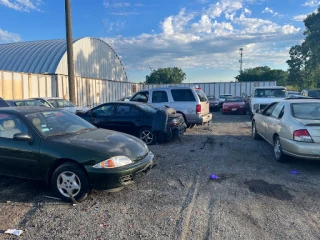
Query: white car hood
[265, 100]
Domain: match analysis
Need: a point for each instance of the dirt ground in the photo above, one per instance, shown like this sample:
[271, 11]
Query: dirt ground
[255, 197]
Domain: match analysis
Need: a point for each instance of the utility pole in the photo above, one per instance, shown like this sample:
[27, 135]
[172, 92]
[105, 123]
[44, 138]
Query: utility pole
[72, 89]
[240, 61]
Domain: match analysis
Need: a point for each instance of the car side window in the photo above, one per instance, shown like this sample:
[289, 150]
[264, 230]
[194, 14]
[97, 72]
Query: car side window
[126, 110]
[183, 95]
[53, 103]
[159, 96]
[44, 103]
[141, 97]
[277, 111]
[269, 109]
[10, 125]
[103, 111]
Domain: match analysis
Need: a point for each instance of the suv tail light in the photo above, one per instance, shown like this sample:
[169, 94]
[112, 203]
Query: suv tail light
[198, 108]
[302, 136]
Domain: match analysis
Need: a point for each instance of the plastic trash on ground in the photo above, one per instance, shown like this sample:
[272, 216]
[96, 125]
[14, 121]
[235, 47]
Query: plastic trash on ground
[14, 232]
[294, 172]
[212, 176]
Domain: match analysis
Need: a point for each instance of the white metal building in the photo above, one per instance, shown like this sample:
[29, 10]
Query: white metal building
[93, 58]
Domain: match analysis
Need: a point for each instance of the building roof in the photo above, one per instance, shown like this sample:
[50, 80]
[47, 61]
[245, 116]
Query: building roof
[93, 58]
[32, 57]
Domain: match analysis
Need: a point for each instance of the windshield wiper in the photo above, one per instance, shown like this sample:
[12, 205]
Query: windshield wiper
[60, 134]
[83, 130]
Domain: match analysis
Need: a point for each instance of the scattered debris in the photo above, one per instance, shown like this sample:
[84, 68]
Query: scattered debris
[14, 232]
[72, 198]
[212, 176]
[52, 198]
[294, 172]
[95, 210]
[8, 202]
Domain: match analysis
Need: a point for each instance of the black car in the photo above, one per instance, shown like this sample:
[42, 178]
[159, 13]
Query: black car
[3, 103]
[67, 152]
[139, 119]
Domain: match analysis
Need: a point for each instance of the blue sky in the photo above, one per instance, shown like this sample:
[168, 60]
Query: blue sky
[202, 37]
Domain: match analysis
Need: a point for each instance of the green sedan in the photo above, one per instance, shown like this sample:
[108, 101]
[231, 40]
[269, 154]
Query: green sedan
[292, 126]
[67, 152]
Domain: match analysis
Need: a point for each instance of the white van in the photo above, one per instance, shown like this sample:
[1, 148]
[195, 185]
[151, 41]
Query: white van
[192, 103]
[263, 96]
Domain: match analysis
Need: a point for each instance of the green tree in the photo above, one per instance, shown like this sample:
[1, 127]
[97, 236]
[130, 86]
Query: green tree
[304, 63]
[166, 76]
[264, 73]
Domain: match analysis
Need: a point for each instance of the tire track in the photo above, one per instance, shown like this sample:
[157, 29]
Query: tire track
[182, 225]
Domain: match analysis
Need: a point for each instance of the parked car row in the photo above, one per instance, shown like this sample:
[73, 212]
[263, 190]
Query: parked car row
[75, 153]
[106, 147]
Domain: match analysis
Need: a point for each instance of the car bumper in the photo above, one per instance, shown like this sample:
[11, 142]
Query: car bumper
[230, 110]
[178, 130]
[106, 179]
[198, 119]
[300, 149]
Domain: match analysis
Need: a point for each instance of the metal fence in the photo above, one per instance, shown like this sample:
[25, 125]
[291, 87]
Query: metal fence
[89, 92]
[218, 88]
[92, 92]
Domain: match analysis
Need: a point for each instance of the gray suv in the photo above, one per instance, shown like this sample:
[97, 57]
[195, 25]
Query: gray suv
[192, 103]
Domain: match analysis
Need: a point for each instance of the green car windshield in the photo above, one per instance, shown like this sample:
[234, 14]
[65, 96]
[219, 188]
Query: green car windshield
[53, 123]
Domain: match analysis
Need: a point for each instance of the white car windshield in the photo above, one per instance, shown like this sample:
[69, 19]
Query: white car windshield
[270, 93]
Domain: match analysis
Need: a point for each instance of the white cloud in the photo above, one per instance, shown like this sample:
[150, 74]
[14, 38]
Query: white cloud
[288, 29]
[6, 36]
[300, 18]
[117, 4]
[311, 3]
[22, 5]
[269, 10]
[209, 38]
[247, 12]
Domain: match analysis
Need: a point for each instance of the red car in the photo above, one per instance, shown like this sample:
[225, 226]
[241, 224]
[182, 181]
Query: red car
[234, 105]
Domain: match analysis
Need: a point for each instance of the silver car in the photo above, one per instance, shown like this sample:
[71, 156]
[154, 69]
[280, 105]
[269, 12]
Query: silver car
[292, 126]
[56, 102]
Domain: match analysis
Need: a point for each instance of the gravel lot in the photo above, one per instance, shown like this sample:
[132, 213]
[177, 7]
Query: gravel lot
[255, 197]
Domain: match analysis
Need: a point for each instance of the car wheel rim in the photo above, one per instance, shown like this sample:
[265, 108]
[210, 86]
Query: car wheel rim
[277, 149]
[68, 183]
[146, 136]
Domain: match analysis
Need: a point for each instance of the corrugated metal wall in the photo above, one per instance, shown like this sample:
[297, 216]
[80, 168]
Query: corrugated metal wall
[90, 92]
[216, 89]
[94, 58]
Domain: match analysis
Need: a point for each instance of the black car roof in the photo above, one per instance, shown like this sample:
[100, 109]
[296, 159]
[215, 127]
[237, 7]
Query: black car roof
[27, 110]
[128, 102]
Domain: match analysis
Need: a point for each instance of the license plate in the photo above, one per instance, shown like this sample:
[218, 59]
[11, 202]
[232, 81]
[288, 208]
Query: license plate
[234, 109]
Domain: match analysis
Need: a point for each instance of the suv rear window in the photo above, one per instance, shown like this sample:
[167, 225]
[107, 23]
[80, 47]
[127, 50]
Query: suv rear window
[183, 95]
[202, 96]
[309, 111]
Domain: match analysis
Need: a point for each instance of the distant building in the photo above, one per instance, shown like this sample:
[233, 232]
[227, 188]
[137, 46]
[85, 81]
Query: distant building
[93, 58]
